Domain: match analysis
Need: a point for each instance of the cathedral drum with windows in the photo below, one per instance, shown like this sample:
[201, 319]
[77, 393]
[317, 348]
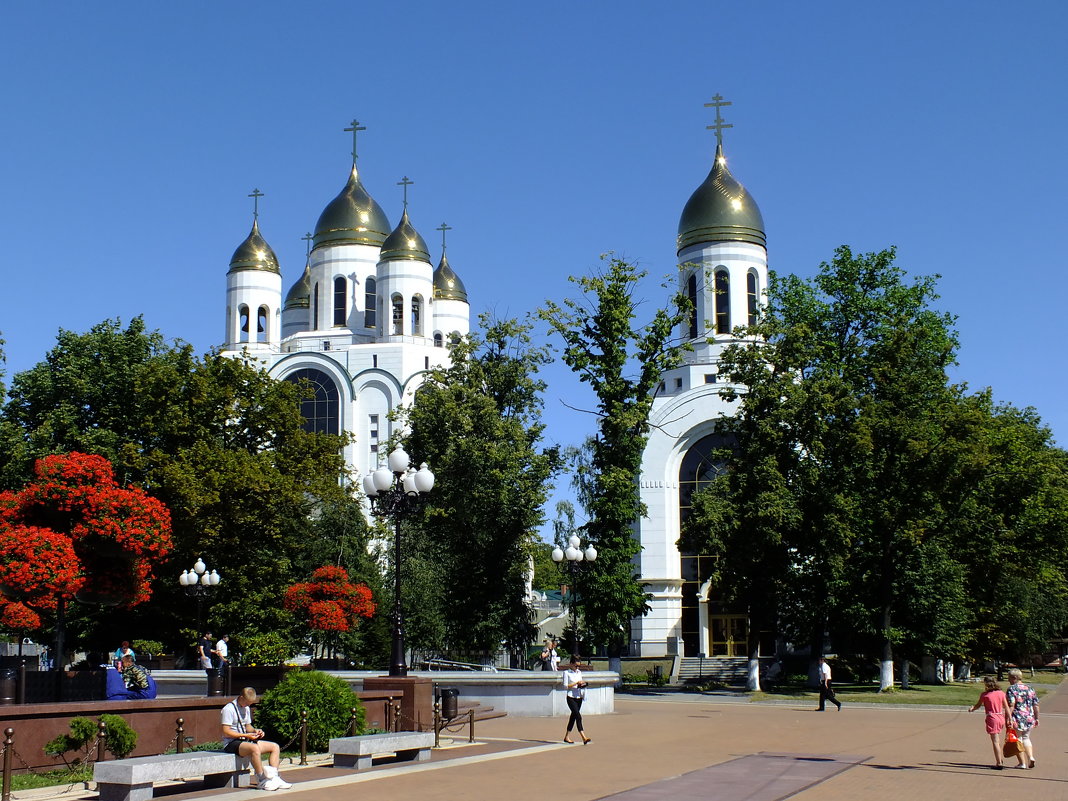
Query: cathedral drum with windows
[723, 269]
[368, 317]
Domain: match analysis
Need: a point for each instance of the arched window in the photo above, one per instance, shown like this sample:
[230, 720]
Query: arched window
[261, 324]
[315, 307]
[370, 302]
[242, 312]
[320, 406]
[723, 302]
[703, 463]
[417, 316]
[398, 314]
[691, 293]
[751, 296]
[439, 340]
[339, 301]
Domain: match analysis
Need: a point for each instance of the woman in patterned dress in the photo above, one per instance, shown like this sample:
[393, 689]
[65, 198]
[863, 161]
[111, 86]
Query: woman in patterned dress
[1023, 708]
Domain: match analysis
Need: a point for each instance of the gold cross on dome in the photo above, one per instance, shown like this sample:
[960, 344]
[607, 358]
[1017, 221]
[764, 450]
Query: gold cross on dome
[255, 194]
[443, 228]
[308, 239]
[405, 182]
[718, 102]
[356, 127]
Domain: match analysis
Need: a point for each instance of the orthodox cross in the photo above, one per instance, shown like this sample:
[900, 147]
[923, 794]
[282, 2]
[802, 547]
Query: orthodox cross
[405, 182]
[308, 239]
[255, 194]
[443, 228]
[718, 102]
[356, 127]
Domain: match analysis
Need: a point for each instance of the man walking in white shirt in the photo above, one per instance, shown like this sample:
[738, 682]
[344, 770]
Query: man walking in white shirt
[826, 692]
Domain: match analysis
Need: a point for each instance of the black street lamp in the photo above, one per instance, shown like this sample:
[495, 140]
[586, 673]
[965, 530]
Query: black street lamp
[396, 492]
[198, 583]
[575, 555]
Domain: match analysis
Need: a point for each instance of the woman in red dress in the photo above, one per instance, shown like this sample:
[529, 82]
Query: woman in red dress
[997, 715]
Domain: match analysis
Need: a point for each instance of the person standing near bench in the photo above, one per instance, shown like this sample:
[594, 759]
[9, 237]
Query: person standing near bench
[239, 737]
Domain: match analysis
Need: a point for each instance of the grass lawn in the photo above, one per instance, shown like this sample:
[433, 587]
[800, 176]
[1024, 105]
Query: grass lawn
[957, 694]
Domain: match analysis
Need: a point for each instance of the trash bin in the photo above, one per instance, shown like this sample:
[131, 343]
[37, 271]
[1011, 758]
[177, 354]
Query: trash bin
[8, 686]
[215, 682]
[449, 696]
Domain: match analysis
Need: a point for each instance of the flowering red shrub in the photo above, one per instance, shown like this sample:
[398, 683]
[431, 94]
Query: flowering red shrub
[73, 530]
[330, 602]
[16, 616]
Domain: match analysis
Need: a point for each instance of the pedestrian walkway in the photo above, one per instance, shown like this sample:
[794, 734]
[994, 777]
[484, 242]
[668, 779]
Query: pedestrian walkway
[691, 747]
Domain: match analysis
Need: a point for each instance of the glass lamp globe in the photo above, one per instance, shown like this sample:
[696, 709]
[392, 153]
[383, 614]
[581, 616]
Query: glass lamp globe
[369, 488]
[383, 477]
[398, 460]
[424, 479]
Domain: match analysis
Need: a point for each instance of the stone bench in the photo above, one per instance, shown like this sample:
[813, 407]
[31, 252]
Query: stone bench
[132, 779]
[356, 752]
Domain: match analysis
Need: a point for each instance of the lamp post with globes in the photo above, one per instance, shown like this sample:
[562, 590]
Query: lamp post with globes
[198, 583]
[575, 555]
[396, 492]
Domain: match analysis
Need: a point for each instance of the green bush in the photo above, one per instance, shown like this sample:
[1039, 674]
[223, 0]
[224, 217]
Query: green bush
[264, 650]
[328, 699]
[121, 739]
[146, 647]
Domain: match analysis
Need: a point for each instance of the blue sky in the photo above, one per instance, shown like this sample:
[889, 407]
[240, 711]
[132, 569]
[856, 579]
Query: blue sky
[544, 134]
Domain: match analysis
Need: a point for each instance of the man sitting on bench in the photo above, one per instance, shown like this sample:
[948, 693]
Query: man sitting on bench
[240, 738]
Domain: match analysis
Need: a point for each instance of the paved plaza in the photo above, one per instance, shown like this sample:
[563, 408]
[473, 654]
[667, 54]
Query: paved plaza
[682, 746]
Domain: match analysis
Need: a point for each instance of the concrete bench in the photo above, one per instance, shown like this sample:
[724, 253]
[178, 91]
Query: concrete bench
[356, 752]
[132, 779]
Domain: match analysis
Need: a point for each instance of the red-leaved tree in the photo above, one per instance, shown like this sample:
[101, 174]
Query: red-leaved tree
[74, 532]
[330, 603]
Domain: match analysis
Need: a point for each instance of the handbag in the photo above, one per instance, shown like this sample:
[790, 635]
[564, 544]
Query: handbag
[1012, 744]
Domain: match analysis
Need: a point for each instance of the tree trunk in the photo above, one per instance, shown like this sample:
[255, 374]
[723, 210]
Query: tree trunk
[886, 664]
[904, 669]
[752, 679]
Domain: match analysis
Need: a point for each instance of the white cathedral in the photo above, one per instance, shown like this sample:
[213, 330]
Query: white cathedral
[363, 323]
[370, 315]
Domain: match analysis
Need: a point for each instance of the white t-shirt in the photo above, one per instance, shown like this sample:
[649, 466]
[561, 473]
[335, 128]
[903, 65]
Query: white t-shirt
[825, 672]
[237, 717]
[222, 648]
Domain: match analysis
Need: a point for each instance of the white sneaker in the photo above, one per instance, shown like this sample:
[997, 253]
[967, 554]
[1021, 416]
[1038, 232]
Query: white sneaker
[268, 784]
[282, 783]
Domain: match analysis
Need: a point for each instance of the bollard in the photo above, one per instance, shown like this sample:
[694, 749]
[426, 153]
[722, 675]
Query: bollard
[471, 724]
[352, 722]
[215, 682]
[304, 737]
[180, 731]
[437, 724]
[101, 741]
[9, 745]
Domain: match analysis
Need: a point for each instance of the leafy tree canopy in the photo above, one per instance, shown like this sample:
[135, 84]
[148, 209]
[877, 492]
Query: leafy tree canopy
[622, 362]
[214, 438]
[477, 422]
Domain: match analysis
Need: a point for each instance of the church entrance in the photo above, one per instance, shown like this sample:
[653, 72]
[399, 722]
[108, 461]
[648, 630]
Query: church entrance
[728, 635]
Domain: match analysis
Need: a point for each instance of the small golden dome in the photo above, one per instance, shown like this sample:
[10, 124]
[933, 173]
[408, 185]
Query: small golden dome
[254, 253]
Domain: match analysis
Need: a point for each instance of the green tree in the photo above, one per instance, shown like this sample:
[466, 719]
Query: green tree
[477, 422]
[216, 439]
[622, 363]
[848, 453]
[1010, 533]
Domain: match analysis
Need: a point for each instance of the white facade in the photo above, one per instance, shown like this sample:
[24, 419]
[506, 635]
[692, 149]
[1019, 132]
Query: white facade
[364, 322]
[723, 269]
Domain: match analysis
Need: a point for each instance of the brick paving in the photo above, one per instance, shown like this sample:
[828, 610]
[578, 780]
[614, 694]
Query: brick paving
[704, 748]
